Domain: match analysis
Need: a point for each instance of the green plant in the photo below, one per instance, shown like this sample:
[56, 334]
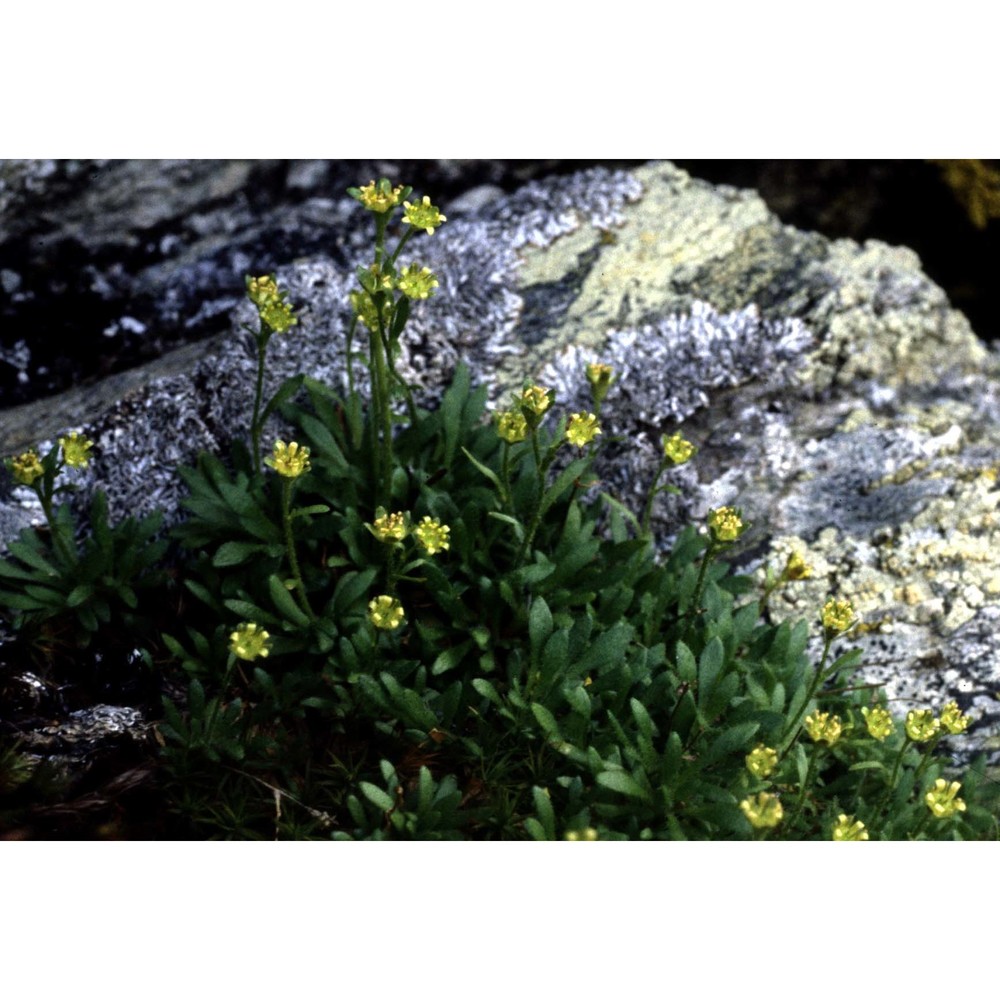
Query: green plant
[429, 624]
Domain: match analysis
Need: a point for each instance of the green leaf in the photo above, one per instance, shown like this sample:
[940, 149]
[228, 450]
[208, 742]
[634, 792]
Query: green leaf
[452, 405]
[687, 667]
[624, 783]
[286, 391]
[539, 623]
[376, 796]
[545, 719]
[234, 553]
[507, 519]
[285, 603]
[484, 469]
[709, 668]
[487, 690]
[79, 594]
[543, 809]
[450, 658]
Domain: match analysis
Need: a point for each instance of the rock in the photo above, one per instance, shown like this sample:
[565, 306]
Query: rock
[833, 392]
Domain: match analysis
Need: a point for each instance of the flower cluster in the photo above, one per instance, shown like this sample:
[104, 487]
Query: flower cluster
[763, 810]
[588, 833]
[837, 615]
[582, 429]
[26, 468]
[290, 460]
[249, 641]
[942, 799]
[921, 725]
[423, 215]
[761, 761]
[512, 426]
[823, 727]
[677, 449]
[75, 448]
[432, 535]
[953, 720]
[385, 612]
[848, 828]
[275, 313]
[796, 568]
[725, 523]
[534, 402]
[600, 377]
[390, 527]
[879, 722]
[417, 282]
[381, 197]
[365, 310]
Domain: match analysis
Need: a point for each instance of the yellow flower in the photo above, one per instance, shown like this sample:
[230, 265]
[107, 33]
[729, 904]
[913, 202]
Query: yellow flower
[390, 527]
[582, 429]
[600, 377]
[942, 801]
[289, 460]
[423, 215]
[75, 448]
[953, 720]
[761, 761]
[417, 282]
[248, 641]
[512, 427]
[725, 524]
[263, 290]
[534, 401]
[26, 468]
[278, 316]
[921, 725]
[837, 615]
[823, 727]
[677, 449]
[385, 612]
[365, 308]
[381, 197]
[763, 810]
[432, 535]
[879, 722]
[796, 568]
[848, 828]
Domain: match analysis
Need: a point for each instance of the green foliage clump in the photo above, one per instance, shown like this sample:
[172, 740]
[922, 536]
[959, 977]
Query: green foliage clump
[430, 625]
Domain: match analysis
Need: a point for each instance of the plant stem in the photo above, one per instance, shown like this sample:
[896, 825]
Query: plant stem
[813, 757]
[647, 514]
[64, 547]
[300, 587]
[817, 678]
[255, 427]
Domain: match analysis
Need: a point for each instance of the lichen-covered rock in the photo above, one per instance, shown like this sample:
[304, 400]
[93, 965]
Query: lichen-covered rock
[832, 391]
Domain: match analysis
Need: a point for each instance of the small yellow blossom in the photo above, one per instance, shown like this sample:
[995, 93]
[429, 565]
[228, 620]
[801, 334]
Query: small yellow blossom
[921, 725]
[248, 641]
[385, 612]
[823, 727]
[75, 448]
[364, 307]
[417, 282]
[761, 761]
[432, 535]
[677, 449]
[263, 290]
[763, 810]
[953, 720]
[837, 615]
[879, 722]
[796, 568]
[848, 828]
[390, 527]
[278, 316]
[289, 460]
[26, 468]
[381, 197]
[600, 377]
[423, 215]
[942, 801]
[512, 427]
[534, 401]
[582, 429]
[725, 523]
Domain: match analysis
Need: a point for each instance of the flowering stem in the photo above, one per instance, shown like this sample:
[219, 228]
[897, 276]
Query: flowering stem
[699, 586]
[817, 678]
[811, 767]
[64, 547]
[647, 514]
[399, 246]
[293, 561]
[258, 395]
[895, 774]
[217, 702]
